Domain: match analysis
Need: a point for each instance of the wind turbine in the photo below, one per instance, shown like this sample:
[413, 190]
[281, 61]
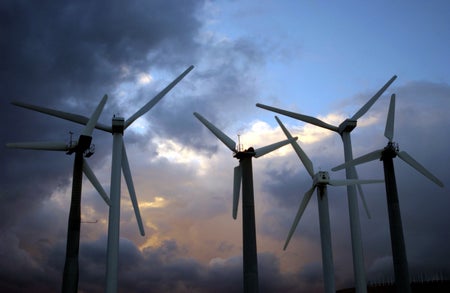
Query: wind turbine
[82, 148]
[344, 130]
[119, 162]
[243, 172]
[320, 181]
[401, 271]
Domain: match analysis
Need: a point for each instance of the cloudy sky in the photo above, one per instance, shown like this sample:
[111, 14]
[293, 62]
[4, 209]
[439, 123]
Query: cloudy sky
[320, 59]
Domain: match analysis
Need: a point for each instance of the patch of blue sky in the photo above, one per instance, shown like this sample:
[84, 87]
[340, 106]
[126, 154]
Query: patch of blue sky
[321, 52]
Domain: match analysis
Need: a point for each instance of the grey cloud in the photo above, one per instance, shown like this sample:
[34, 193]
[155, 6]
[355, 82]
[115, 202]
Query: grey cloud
[161, 269]
[54, 52]
[225, 91]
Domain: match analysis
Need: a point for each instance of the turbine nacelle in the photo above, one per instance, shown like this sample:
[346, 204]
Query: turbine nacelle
[84, 142]
[347, 126]
[83, 145]
[321, 178]
[118, 124]
[390, 151]
[250, 152]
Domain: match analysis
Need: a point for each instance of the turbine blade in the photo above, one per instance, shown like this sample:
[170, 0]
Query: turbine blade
[236, 189]
[93, 120]
[157, 98]
[361, 195]
[91, 176]
[47, 146]
[127, 174]
[270, 148]
[301, 154]
[353, 181]
[389, 130]
[64, 115]
[301, 117]
[363, 159]
[416, 165]
[231, 144]
[369, 104]
[299, 214]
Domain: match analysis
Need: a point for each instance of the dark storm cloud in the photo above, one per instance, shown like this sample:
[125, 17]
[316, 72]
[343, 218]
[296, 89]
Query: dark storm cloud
[226, 91]
[77, 48]
[163, 269]
[66, 55]
[291, 183]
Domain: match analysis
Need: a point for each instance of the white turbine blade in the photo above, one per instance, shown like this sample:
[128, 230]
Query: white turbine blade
[47, 146]
[299, 214]
[353, 181]
[389, 130]
[301, 154]
[93, 120]
[270, 148]
[157, 98]
[127, 174]
[91, 176]
[301, 117]
[236, 189]
[416, 165]
[231, 144]
[360, 160]
[361, 195]
[64, 115]
[369, 104]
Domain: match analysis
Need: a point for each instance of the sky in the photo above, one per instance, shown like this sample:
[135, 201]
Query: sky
[317, 58]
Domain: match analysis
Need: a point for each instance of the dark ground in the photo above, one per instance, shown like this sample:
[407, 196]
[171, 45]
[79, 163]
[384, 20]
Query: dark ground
[442, 286]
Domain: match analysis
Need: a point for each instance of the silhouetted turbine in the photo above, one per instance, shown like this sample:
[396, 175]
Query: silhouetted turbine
[244, 173]
[320, 181]
[402, 277]
[344, 130]
[81, 148]
[119, 162]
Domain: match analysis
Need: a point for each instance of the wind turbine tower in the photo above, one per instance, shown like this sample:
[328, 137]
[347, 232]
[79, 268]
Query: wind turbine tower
[344, 130]
[320, 182]
[244, 172]
[401, 271]
[82, 148]
[119, 164]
